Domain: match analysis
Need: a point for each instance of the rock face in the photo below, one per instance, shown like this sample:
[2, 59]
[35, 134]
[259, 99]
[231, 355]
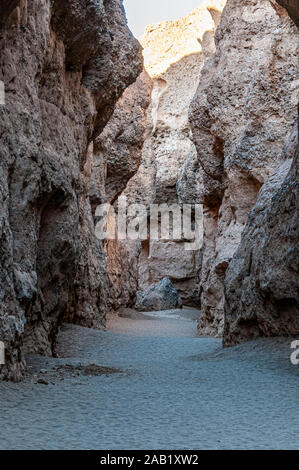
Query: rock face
[72, 139]
[262, 279]
[261, 283]
[243, 111]
[174, 54]
[117, 156]
[118, 148]
[162, 296]
[64, 65]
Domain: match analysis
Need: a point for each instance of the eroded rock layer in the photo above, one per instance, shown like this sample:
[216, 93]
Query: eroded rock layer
[64, 65]
[243, 111]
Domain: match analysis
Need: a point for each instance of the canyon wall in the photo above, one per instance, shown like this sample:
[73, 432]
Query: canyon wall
[64, 65]
[261, 284]
[117, 157]
[174, 54]
[83, 123]
[241, 116]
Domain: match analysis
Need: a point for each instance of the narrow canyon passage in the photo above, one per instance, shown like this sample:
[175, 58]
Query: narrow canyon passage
[171, 391]
[149, 226]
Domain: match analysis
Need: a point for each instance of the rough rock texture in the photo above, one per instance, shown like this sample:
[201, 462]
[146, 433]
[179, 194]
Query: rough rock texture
[243, 111]
[161, 296]
[174, 54]
[117, 156]
[122, 270]
[64, 65]
[166, 43]
[118, 148]
[262, 287]
[262, 279]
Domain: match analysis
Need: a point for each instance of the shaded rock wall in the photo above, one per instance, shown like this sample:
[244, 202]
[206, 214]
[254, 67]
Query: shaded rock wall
[261, 285]
[292, 8]
[117, 157]
[262, 280]
[243, 111]
[64, 65]
[6, 8]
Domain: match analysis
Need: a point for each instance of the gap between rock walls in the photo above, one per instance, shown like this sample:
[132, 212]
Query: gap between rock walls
[202, 111]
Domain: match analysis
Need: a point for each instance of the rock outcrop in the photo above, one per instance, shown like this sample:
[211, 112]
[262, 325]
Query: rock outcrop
[161, 296]
[243, 111]
[64, 65]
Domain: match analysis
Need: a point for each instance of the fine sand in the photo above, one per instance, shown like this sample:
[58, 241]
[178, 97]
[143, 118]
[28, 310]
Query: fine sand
[150, 383]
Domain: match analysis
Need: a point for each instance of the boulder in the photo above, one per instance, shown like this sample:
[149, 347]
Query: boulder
[161, 296]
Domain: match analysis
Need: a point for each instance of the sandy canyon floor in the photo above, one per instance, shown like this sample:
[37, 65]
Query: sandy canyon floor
[162, 388]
